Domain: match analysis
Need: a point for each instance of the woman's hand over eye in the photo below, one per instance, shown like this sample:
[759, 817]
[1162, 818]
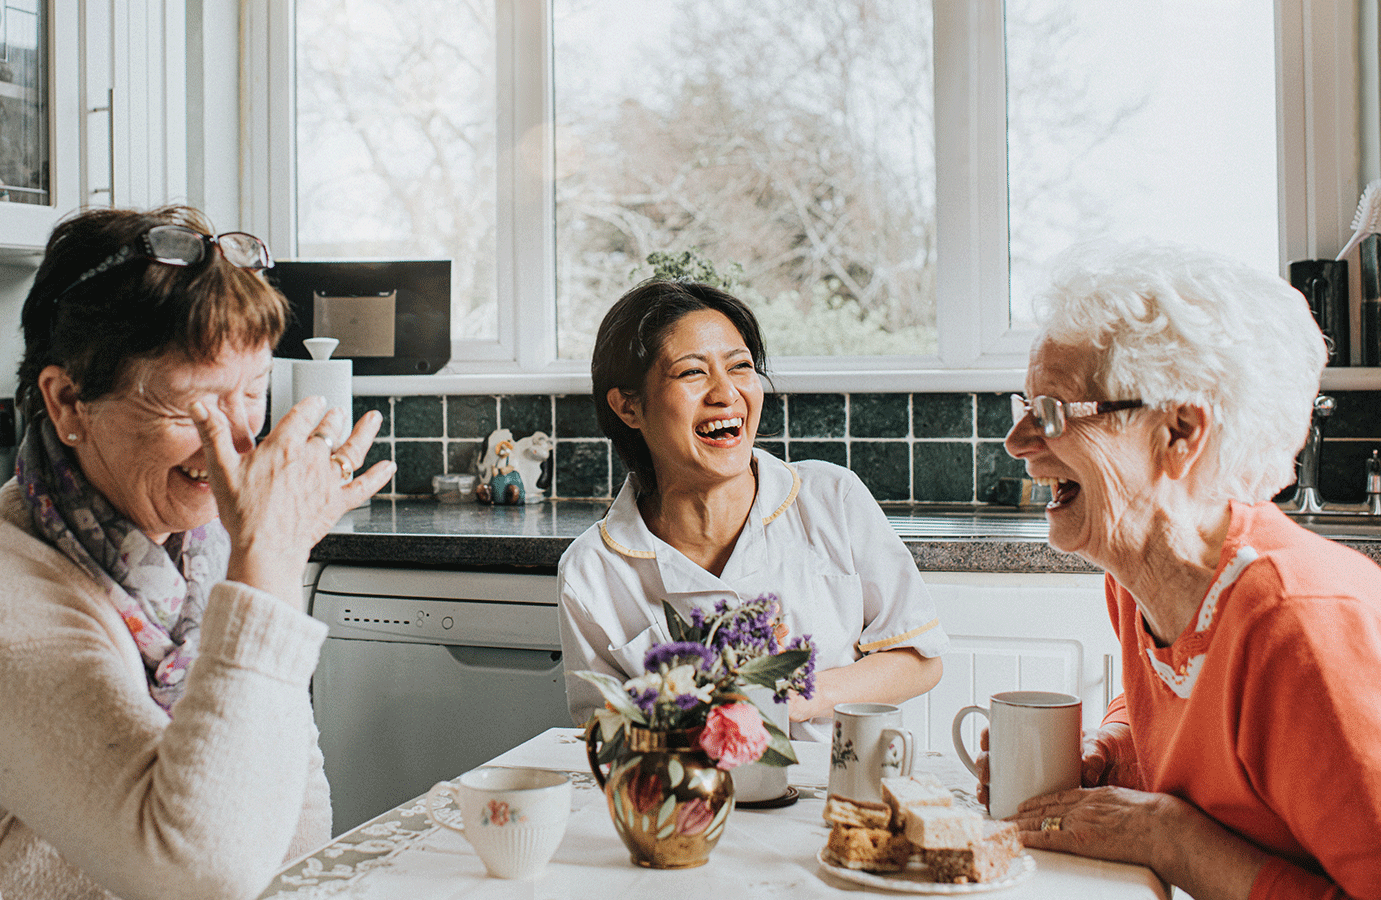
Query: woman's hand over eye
[281, 497]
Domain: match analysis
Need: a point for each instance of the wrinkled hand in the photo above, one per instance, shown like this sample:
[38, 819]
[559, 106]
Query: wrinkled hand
[1106, 753]
[1109, 757]
[981, 762]
[281, 497]
[1111, 823]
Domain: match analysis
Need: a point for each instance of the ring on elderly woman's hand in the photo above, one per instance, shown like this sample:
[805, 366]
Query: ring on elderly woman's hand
[347, 472]
[324, 438]
[1050, 823]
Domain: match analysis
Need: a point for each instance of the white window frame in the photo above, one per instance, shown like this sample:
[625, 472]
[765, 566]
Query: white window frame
[1319, 132]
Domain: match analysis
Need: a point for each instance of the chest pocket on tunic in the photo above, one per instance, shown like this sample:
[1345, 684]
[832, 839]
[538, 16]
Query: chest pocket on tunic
[827, 604]
[629, 657]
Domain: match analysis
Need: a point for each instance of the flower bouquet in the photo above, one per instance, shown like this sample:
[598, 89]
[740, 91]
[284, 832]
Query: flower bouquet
[697, 680]
[671, 735]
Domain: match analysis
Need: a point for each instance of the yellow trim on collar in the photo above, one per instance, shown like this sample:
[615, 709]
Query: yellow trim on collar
[790, 498]
[619, 548]
[893, 641]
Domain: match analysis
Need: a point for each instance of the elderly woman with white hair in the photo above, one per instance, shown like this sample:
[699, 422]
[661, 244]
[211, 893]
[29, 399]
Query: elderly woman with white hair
[1168, 393]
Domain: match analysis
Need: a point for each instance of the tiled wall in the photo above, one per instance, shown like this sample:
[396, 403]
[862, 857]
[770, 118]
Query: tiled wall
[928, 448]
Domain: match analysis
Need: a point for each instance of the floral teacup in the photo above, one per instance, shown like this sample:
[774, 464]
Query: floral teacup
[514, 818]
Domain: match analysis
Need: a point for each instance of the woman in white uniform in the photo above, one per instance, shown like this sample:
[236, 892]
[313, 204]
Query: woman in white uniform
[703, 516]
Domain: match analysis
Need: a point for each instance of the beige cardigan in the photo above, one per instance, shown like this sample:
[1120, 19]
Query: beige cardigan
[100, 795]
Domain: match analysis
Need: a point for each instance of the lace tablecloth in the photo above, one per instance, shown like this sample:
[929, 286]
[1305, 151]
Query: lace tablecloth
[763, 853]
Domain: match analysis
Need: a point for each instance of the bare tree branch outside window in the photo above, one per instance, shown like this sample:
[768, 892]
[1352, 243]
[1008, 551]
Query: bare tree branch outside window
[792, 138]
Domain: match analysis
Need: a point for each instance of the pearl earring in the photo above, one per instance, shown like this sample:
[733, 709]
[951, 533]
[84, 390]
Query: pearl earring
[72, 436]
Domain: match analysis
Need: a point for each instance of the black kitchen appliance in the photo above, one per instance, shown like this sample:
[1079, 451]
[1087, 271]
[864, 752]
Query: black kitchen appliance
[392, 317]
[1323, 282]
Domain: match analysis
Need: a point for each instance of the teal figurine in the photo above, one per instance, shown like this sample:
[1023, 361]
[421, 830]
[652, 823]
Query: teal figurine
[503, 489]
[501, 483]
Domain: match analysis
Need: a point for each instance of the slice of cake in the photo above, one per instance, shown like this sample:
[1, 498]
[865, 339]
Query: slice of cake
[986, 860]
[870, 849]
[913, 790]
[916, 790]
[942, 827]
[856, 813]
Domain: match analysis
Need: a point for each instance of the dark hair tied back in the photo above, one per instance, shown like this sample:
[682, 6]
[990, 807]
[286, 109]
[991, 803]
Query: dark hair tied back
[629, 340]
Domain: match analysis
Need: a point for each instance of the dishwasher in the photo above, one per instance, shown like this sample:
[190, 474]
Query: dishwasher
[426, 674]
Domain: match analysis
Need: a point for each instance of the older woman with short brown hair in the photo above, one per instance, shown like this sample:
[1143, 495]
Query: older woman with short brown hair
[156, 734]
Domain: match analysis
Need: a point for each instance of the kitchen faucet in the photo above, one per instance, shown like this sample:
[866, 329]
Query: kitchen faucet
[1307, 498]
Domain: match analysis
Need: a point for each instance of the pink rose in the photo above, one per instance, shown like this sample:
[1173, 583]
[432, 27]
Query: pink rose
[734, 735]
[498, 813]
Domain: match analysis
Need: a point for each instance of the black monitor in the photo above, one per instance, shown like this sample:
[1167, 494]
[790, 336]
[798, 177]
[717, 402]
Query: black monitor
[392, 317]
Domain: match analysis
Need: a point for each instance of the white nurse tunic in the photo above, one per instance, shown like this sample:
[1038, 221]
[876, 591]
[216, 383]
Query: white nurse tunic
[815, 537]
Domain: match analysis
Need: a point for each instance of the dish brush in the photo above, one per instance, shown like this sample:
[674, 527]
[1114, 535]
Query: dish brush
[1368, 218]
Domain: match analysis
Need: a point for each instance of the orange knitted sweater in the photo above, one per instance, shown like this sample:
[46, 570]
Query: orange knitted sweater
[1266, 712]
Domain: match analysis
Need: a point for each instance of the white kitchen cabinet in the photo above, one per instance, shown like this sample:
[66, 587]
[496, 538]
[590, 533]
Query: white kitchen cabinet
[134, 89]
[1047, 632]
[117, 95]
[24, 227]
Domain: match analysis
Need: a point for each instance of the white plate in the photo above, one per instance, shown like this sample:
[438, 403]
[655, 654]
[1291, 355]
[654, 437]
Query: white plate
[916, 878]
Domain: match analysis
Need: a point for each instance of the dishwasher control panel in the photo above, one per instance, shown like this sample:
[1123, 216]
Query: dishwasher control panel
[480, 609]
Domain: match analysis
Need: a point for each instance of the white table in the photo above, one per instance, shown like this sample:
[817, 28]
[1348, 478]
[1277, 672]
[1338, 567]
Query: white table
[763, 853]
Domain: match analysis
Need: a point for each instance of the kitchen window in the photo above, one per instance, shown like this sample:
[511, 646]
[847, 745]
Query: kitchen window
[887, 174]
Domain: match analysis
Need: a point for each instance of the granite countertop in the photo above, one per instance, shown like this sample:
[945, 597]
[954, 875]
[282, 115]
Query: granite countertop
[425, 533]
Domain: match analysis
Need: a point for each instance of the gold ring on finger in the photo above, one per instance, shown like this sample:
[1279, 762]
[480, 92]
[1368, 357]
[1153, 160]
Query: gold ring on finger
[325, 439]
[1051, 823]
[347, 472]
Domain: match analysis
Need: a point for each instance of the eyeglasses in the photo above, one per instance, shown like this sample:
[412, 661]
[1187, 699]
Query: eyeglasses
[177, 245]
[1050, 414]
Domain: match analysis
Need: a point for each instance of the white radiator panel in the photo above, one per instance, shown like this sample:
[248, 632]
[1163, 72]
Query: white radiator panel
[1016, 632]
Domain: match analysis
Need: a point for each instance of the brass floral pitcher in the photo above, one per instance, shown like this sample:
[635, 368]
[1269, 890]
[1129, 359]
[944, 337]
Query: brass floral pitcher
[668, 801]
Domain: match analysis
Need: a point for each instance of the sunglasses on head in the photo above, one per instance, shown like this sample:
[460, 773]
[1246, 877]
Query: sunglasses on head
[1051, 414]
[178, 245]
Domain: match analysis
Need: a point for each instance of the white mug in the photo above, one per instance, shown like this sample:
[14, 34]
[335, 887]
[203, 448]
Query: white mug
[757, 782]
[514, 818]
[869, 744]
[1034, 746]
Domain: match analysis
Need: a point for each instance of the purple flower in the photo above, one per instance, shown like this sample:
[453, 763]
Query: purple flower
[749, 629]
[670, 654]
[645, 700]
[687, 701]
[803, 679]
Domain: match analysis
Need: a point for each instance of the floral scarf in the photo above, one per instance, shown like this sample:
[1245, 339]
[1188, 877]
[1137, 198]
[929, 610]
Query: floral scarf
[160, 591]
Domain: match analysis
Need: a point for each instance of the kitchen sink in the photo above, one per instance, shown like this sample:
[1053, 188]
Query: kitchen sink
[970, 522]
[1344, 523]
[1028, 523]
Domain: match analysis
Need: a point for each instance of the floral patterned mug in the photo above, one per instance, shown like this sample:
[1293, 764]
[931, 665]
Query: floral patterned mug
[514, 818]
[869, 745]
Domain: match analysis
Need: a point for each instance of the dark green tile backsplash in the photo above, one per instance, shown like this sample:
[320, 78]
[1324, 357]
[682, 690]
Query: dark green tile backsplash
[879, 415]
[924, 448]
[817, 415]
[942, 415]
[418, 417]
[471, 417]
